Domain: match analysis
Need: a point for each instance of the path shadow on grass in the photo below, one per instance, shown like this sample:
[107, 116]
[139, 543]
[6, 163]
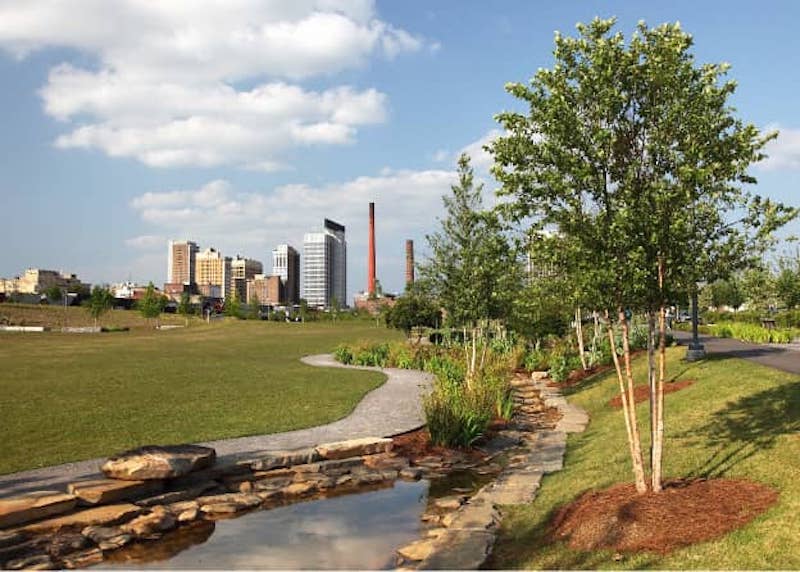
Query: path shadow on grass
[744, 427]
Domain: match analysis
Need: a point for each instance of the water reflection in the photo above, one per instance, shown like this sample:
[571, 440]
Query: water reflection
[355, 531]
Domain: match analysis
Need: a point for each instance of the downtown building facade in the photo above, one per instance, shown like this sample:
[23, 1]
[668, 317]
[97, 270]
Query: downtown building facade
[325, 266]
[286, 265]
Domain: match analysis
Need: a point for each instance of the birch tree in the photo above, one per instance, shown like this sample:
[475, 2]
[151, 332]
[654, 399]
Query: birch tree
[631, 151]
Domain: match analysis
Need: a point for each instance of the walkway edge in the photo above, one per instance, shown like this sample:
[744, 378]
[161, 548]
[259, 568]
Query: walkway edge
[394, 407]
[468, 542]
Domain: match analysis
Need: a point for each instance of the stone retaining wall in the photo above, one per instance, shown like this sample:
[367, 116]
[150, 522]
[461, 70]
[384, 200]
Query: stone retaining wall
[471, 530]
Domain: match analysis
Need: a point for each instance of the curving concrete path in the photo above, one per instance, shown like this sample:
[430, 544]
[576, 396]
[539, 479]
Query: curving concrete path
[394, 407]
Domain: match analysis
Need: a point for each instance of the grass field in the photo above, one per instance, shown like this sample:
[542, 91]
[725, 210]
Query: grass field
[75, 316]
[65, 397]
[739, 419]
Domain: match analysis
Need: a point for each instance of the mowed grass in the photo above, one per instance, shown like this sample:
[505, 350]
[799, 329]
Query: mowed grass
[738, 420]
[67, 397]
[57, 317]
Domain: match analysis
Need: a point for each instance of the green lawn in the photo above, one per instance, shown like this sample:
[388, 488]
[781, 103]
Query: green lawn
[739, 420]
[66, 397]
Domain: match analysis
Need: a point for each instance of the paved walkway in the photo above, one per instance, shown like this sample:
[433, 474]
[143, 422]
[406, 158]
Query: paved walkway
[394, 407]
[785, 358]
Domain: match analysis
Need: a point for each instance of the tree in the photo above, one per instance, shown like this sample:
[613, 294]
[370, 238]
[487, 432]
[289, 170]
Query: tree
[100, 302]
[787, 282]
[54, 295]
[472, 270]
[727, 293]
[254, 310]
[152, 304]
[758, 286]
[185, 307]
[335, 307]
[232, 306]
[304, 311]
[632, 153]
[413, 310]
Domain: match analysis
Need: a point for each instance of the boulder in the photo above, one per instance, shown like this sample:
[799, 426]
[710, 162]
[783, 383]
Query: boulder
[106, 491]
[178, 496]
[111, 514]
[298, 489]
[107, 537]
[189, 515]
[34, 506]
[82, 559]
[37, 562]
[411, 474]
[283, 459]
[159, 462]
[354, 448]
[156, 521]
[333, 467]
[418, 550]
[448, 503]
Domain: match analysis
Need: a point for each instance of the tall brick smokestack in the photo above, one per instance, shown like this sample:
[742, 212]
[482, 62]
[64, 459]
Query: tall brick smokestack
[371, 255]
[409, 262]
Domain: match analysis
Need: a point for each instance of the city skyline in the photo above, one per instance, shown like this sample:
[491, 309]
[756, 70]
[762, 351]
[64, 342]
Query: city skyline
[128, 146]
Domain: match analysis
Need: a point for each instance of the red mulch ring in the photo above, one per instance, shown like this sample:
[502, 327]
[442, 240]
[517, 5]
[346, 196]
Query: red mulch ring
[642, 392]
[417, 445]
[684, 513]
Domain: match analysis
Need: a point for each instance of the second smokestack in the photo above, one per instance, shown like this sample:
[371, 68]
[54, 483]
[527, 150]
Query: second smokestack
[409, 262]
[371, 255]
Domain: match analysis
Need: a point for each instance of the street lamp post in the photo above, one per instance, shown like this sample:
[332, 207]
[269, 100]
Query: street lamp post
[696, 350]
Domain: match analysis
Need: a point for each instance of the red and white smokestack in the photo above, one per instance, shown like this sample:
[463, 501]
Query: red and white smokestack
[409, 262]
[371, 259]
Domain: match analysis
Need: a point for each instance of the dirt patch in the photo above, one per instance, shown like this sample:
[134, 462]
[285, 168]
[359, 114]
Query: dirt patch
[642, 392]
[417, 445]
[684, 513]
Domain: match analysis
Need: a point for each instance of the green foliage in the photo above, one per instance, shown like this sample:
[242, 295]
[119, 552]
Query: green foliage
[233, 306]
[278, 316]
[99, 302]
[472, 270]
[343, 354]
[54, 295]
[752, 333]
[254, 309]
[185, 305]
[152, 304]
[413, 310]
[787, 282]
[727, 292]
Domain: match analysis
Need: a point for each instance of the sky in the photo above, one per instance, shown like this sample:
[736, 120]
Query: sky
[242, 124]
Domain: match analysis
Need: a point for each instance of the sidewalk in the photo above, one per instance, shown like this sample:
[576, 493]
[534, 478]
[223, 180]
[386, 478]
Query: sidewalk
[785, 358]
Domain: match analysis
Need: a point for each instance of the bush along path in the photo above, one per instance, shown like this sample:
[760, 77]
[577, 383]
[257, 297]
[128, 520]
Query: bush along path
[466, 538]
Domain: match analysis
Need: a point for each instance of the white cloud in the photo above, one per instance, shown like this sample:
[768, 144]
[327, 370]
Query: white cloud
[146, 242]
[166, 85]
[252, 223]
[784, 152]
[481, 159]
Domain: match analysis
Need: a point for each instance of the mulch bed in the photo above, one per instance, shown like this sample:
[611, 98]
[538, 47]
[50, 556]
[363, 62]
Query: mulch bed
[417, 445]
[684, 513]
[642, 392]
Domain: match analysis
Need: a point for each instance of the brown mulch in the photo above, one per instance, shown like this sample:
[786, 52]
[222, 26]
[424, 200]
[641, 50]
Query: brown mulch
[642, 392]
[684, 513]
[417, 445]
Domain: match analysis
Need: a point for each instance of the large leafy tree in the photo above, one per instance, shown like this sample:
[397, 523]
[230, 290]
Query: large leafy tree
[632, 153]
[413, 310]
[472, 271]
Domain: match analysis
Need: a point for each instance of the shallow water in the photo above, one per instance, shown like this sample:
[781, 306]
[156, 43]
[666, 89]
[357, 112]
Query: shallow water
[359, 531]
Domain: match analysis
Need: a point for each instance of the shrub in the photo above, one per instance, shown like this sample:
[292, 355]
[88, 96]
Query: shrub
[343, 354]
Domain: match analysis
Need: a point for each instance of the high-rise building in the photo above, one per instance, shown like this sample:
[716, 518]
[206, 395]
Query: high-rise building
[267, 289]
[213, 269]
[286, 265]
[242, 270]
[325, 266]
[182, 259]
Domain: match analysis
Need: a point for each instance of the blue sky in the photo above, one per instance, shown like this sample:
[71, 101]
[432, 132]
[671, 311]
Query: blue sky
[243, 124]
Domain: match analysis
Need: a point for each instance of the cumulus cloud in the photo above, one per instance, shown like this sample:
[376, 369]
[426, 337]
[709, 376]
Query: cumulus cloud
[252, 223]
[784, 152]
[146, 242]
[167, 85]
